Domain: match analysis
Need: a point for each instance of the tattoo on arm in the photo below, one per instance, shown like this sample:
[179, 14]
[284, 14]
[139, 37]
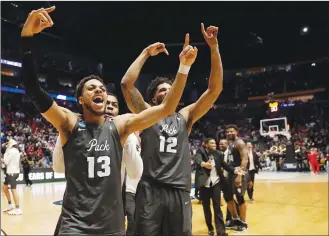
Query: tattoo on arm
[137, 100]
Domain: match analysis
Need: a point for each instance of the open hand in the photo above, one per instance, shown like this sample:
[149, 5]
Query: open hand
[37, 21]
[207, 165]
[189, 53]
[210, 35]
[239, 172]
[156, 48]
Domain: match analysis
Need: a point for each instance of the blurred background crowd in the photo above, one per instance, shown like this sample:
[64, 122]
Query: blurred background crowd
[299, 89]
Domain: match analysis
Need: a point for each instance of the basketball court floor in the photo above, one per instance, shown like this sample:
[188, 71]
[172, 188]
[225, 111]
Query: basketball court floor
[285, 204]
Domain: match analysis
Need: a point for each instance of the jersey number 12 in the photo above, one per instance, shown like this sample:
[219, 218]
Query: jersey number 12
[171, 144]
[106, 169]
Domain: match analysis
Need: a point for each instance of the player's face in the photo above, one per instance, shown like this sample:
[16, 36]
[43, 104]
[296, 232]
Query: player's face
[112, 106]
[161, 92]
[223, 145]
[211, 145]
[231, 133]
[94, 97]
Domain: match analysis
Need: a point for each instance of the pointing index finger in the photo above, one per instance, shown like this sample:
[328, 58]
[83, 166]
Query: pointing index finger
[50, 9]
[187, 40]
[202, 29]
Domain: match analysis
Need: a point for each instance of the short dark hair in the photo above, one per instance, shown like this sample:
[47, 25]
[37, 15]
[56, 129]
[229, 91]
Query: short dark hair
[151, 89]
[207, 140]
[113, 95]
[231, 126]
[78, 91]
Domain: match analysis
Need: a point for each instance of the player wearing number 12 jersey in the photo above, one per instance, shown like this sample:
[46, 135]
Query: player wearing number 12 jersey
[163, 204]
[92, 147]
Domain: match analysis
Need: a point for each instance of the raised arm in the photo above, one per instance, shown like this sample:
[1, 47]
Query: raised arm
[195, 111]
[36, 22]
[133, 97]
[130, 123]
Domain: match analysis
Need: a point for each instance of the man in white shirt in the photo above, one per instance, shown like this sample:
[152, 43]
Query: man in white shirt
[12, 161]
[253, 167]
[133, 164]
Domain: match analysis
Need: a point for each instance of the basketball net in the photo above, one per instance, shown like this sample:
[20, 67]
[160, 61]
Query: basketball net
[273, 133]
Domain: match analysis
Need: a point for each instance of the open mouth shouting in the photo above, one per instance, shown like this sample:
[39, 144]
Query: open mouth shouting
[98, 102]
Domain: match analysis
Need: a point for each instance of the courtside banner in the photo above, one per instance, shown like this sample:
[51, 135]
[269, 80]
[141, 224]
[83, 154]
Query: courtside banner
[42, 175]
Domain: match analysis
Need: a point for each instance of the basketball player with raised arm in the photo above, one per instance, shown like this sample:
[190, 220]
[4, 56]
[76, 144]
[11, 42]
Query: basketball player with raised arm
[238, 158]
[163, 204]
[92, 147]
[111, 111]
[131, 158]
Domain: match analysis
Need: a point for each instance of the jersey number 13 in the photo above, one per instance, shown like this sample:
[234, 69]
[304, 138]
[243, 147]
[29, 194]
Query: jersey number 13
[105, 167]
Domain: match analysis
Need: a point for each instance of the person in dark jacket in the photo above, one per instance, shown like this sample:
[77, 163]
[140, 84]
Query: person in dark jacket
[198, 171]
[26, 171]
[209, 179]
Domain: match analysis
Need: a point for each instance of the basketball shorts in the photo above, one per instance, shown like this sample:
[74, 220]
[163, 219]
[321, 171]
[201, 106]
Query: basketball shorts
[230, 189]
[162, 210]
[11, 179]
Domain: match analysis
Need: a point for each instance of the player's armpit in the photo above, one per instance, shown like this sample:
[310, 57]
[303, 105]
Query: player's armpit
[195, 111]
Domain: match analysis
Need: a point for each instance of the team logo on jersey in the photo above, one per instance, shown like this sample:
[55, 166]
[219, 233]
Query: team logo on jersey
[171, 129]
[170, 125]
[82, 124]
[98, 147]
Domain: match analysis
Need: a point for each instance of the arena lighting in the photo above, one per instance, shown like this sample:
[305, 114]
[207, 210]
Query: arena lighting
[11, 63]
[56, 96]
[304, 30]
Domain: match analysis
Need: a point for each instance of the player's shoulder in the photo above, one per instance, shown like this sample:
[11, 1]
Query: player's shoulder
[239, 142]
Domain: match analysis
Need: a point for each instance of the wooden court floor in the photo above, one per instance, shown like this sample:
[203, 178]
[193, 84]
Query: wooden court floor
[282, 207]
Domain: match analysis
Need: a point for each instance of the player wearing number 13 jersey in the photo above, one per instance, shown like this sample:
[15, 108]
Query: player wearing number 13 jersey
[163, 204]
[92, 148]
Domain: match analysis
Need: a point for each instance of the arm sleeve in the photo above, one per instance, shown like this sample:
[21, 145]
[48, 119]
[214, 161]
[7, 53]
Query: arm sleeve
[40, 98]
[198, 158]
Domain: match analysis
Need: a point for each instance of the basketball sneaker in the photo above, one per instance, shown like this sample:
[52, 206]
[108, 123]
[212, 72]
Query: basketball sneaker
[229, 224]
[241, 228]
[15, 212]
[9, 208]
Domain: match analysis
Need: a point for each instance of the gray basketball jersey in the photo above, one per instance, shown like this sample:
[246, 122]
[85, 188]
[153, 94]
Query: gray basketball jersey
[235, 154]
[165, 152]
[92, 202]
